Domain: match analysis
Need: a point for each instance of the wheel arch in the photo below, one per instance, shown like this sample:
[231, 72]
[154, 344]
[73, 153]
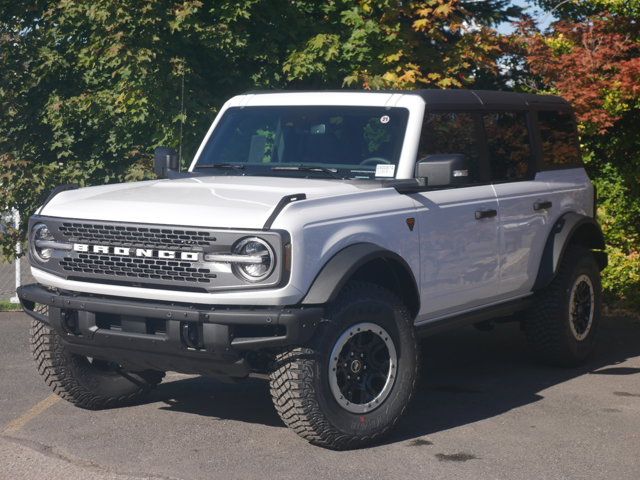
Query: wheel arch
[366, 262]
[570, 229]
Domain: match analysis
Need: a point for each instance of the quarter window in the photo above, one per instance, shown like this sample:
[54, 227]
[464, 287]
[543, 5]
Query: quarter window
[558, 139]
[451, 132]
[508, 145]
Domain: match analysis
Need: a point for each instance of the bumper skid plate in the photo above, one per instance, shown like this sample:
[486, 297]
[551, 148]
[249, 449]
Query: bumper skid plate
[142, 335]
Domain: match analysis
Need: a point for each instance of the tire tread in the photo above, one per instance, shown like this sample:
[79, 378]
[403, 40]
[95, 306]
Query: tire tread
[543, 327]
[292, 390]
[65, 379]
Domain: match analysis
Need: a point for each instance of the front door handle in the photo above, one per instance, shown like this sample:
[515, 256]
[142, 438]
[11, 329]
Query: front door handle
[486, 213]
[542, 205]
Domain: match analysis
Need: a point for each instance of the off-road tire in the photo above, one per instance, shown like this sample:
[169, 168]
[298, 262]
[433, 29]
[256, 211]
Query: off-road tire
[547, 323]
[77, 380]
[300, 386]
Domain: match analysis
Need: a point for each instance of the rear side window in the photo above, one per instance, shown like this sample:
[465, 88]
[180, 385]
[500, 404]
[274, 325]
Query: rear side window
[559, 139]
[451, 132]
[508, 145]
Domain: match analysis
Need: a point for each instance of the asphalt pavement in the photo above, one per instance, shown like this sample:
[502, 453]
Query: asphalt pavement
[483, 410]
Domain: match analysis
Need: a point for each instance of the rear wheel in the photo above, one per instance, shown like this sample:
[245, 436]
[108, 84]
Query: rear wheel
[86, 382]
[562, 325]
[350, 386]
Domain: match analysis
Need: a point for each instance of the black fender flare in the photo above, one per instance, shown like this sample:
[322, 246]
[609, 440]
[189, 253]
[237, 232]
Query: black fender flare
[570, 227]
[341, 267]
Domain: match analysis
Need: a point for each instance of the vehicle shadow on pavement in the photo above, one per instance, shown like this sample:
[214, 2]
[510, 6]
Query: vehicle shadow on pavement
[467, 376]
[245, 401]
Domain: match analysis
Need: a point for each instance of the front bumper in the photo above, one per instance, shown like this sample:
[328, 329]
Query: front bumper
[142, 335]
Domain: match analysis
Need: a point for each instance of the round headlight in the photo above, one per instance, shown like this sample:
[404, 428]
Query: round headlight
[41, 233]
[260, 259]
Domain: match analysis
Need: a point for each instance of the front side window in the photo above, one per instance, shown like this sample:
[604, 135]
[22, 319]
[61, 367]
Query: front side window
[451, 133]
[559, 139]
[508, 145]
[332, 142]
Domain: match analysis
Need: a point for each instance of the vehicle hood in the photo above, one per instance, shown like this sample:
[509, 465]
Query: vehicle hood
[222, 201]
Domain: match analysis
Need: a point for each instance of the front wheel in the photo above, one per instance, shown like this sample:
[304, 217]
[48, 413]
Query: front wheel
[88, 383]
[354, 382]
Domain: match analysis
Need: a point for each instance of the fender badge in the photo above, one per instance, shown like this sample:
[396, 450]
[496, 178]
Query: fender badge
[411, 222]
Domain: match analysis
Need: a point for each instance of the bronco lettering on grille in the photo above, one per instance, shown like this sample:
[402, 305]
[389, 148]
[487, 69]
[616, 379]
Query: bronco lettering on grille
[135, 252]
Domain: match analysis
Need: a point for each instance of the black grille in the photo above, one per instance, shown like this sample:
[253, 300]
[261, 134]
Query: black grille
[143, 269]
[121, 235]
[122, 264]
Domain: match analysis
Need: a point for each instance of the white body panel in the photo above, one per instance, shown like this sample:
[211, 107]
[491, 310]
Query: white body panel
[459, 253]
[460, 263]
[319, 228]
[570, 190]
[225, 202]
[523, 232]
[334, 215]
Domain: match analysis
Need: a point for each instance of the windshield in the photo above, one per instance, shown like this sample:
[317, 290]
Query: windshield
[318, 141]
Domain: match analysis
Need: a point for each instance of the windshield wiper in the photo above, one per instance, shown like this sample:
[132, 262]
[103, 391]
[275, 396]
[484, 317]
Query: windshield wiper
[332, 172]
[233, 166]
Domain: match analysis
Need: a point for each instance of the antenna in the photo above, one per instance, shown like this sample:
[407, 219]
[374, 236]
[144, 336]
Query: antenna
[181, 120]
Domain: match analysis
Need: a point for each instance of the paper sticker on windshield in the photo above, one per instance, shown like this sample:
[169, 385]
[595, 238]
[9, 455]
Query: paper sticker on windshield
[385, 170]
[384, 119]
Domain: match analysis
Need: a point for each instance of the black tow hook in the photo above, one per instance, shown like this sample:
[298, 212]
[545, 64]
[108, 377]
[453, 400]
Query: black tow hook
[192, 335]
[70, 321]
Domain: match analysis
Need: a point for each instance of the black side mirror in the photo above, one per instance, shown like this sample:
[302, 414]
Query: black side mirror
[165, 160]
[444, 169]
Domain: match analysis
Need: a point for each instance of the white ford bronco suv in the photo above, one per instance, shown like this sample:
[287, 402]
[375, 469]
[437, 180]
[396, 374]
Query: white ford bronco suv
[315, 237]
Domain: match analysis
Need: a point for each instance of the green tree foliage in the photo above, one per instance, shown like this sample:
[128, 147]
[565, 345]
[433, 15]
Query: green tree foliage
[592, 57]
[583, 10]
[392, 44]
[89, 88]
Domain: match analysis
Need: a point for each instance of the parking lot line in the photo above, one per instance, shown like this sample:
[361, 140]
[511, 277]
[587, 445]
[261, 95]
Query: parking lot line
[40, 407]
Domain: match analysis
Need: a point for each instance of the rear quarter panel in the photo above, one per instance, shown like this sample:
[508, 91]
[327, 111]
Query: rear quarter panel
[570, 190]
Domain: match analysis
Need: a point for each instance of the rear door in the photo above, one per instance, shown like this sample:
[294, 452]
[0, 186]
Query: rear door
[524, 203]
[459, 225]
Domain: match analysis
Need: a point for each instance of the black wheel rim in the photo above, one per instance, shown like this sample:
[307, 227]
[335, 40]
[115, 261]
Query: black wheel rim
[581, 307]
[362, 367]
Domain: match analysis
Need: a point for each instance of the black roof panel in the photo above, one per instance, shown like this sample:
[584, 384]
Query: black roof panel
[487, 99]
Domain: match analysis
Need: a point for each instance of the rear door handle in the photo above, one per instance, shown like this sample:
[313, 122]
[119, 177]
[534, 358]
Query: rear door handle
[486, 214]
[542, 205]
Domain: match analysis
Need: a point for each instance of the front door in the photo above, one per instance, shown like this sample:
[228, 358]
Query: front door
[459, 225]
[458, 249]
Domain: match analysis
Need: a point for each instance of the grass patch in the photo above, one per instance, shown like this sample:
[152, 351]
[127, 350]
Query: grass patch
[6, 306]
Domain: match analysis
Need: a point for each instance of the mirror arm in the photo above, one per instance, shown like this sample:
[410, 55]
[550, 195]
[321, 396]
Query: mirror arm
[407, 187]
